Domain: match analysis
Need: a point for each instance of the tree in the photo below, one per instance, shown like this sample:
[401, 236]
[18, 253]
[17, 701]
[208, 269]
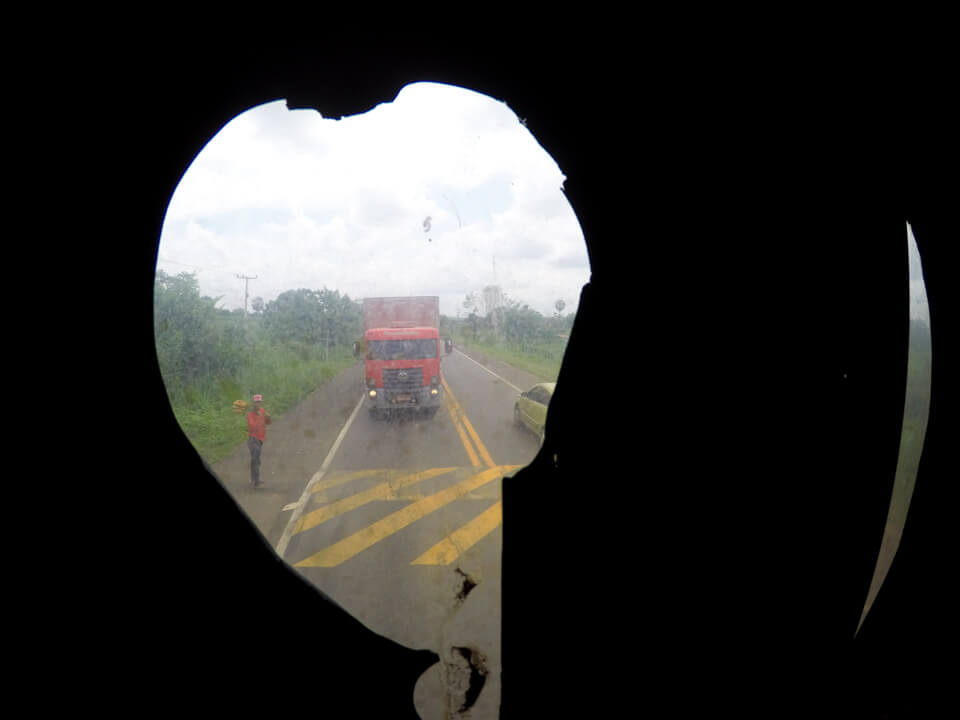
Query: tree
[293, 316]
[471, 303]
[523, 325]
[315, 317]
[186, 330]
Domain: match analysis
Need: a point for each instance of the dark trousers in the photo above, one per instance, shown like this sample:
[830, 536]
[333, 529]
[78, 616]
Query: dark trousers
[255, 447]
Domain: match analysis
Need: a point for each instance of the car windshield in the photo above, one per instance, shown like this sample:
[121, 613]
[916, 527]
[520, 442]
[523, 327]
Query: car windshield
[541, 395]
[401, 349]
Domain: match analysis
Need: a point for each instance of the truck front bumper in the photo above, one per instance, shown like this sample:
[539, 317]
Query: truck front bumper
[384, 399]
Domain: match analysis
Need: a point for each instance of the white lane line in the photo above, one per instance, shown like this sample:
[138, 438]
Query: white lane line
[507, 382]
[317, 477]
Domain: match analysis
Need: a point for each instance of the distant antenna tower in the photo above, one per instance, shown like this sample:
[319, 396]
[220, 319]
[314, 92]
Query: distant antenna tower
[493, 300]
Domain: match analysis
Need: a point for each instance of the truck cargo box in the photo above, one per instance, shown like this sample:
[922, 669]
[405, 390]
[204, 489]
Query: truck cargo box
[397, 312]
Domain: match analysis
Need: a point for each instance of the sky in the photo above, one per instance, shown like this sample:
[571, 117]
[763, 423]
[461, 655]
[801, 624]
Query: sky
[440, 192]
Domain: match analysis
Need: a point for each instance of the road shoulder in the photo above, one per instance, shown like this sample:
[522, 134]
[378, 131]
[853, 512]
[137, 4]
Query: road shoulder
[519, 378]
[296, 445]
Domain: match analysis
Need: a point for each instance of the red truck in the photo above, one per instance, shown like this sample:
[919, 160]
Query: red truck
[402, 346]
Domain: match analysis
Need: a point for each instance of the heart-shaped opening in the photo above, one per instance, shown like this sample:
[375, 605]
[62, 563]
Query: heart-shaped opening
[350, 315]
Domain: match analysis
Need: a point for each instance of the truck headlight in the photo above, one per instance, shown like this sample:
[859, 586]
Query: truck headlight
[373, 393]
[434, 391]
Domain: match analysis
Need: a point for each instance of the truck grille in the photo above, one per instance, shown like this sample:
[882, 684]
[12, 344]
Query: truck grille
[403, 379]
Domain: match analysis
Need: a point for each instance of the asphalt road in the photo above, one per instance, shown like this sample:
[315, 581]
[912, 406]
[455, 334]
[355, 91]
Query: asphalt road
[399, 521]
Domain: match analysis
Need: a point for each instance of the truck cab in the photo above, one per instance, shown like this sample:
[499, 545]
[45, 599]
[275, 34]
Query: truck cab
[402, 349]
[402, 369]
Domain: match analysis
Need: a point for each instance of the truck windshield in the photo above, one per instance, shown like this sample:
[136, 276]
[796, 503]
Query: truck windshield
[401, 349]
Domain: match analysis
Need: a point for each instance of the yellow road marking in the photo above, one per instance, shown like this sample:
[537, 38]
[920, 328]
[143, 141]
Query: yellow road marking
[383, 491]
[481, 448]
[459, 414]
[358, 542]
[487, 492]
[344, 478]
[450, 402]
[455, 544]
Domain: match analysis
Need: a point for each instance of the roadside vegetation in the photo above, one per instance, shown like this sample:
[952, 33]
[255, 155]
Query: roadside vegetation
[512, 332]
[210, 357]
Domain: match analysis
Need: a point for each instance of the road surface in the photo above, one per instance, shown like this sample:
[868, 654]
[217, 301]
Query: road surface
[400, 521]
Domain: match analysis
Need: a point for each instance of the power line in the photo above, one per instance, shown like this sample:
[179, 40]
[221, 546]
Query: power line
[221, 268]
[174, 262]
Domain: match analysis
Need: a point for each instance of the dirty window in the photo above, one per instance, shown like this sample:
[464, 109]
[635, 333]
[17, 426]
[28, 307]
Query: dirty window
[292, 250]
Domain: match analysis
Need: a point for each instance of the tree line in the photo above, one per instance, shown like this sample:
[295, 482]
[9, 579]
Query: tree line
[493, 318]
[199, 343]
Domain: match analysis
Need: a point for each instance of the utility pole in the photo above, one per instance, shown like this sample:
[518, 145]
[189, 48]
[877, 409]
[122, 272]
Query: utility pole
[246, 288]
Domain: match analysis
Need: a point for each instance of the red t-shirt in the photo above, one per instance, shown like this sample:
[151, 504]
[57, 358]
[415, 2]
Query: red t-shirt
[257, 421]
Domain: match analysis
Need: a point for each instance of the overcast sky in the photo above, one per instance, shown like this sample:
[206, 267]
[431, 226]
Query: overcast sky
[430, 194]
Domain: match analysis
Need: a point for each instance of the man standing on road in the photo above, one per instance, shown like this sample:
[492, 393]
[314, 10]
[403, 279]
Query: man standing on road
[257, 421]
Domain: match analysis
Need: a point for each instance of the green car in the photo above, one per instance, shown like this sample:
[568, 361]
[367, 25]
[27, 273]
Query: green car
[530, 410]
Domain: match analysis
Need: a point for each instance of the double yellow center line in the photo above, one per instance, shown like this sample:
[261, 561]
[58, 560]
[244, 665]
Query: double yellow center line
[465, 429]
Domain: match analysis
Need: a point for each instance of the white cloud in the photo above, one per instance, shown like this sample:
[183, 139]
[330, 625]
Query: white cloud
[302, 201]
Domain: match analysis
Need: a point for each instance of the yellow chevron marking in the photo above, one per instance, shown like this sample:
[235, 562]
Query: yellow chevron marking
[344, 478]
[383, 491]
[455, 544]
[358, 542]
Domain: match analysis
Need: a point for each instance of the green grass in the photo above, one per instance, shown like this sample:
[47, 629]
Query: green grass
[541, 359]
[284, 375]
